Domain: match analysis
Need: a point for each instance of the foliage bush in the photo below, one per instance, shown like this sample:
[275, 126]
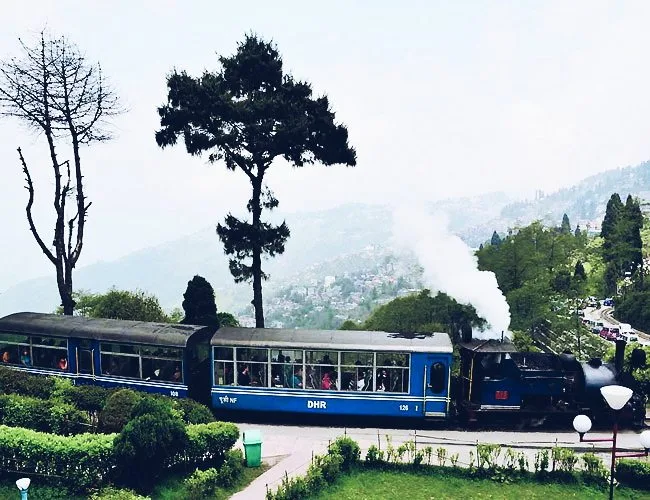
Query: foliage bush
[79, 462]
[633, 473]
[89, 398]
[349, 451]
[113, 493]
[207, 444]
[18, 382]
[193, 412]
[117, 410]
[203, 483]
[148, 444]
[41, 415]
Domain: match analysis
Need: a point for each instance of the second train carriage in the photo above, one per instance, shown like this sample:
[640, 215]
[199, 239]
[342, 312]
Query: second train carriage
[331, 372]
[154, 357]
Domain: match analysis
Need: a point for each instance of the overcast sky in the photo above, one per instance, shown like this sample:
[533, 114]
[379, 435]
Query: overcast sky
[441, 99]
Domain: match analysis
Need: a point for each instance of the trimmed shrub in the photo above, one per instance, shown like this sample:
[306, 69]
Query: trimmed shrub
[65, 419]
[349, 451]
[25, 411]
[193, 412]
[113, 493]
[148, 444]
[231, 469]
[18, 382]
[80, 461]
[201, 483]
[633, 473]
[207, 444]
[117, 411]
[90, 398]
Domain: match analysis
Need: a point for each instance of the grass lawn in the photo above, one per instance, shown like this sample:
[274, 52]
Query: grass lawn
[390, 485]
[172, 489]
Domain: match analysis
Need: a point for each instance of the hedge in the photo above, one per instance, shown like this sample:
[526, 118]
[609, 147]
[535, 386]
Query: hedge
[17, 382]
[207, 444]
[633, 473]
[41, 415]
[77, 462]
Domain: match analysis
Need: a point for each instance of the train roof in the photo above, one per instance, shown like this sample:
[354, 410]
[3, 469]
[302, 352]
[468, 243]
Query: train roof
[332, 339]
[114, 330]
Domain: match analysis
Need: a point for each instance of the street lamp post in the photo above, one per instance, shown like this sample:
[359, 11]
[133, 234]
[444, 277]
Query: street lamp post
[23, 486]
[616, 397]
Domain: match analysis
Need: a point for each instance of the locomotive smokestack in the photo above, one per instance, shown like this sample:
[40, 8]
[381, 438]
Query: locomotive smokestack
[619, 357]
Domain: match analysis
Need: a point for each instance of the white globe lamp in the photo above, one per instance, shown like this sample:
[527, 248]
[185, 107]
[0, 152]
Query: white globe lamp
[23, 483]
[582, 424]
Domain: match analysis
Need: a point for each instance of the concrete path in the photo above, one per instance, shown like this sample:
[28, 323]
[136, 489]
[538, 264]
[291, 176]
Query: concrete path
[289, 449]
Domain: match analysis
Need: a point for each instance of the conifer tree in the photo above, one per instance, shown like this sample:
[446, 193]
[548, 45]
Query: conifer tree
[496, 239]
[199, 304]
[566, 225]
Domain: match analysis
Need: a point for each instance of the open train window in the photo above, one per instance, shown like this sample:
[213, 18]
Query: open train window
[438, 377]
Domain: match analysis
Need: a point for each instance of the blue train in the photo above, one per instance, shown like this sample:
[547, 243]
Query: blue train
[312, 371]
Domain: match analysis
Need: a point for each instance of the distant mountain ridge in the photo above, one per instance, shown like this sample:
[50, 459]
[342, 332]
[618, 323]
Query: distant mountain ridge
[322, 236]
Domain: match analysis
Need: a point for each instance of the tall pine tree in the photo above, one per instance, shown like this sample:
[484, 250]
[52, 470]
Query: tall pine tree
[566, 225]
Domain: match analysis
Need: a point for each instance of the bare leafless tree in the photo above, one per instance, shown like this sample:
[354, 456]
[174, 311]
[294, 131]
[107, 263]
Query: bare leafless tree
[57, 93]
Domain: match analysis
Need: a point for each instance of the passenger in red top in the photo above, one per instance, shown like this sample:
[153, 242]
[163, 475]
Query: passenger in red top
[62, 364]
[327, 382]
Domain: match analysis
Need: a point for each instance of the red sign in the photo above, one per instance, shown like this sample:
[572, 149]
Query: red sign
[501, 395]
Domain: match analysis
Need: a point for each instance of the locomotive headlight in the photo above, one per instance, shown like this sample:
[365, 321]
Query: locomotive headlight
[582, 424]
[644, 437]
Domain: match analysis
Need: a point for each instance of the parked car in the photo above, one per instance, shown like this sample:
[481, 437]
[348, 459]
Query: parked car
[607, 334]
[598, 326]
[608, 302]
[629, 337]
[615, 331]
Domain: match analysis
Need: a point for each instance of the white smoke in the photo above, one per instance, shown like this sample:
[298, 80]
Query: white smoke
[451, 267]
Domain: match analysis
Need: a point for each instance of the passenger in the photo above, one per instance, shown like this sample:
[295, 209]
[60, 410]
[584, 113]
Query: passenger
[287, 371]
[326, 383]
[310, 381]
[63, 363]
[227, 374]
[277, 382]
[382, 381]
[25, 358]
[244, 377]
[6, 357]
[334, 379]
[327, 360]
[296, 380]
[361, 382]
[177, 376]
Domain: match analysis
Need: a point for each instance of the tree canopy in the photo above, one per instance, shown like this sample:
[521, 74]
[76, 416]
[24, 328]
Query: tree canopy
[248, 113]
[421, 313]
[120, 304]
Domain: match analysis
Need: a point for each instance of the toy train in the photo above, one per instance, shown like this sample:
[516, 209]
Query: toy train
[314, 371]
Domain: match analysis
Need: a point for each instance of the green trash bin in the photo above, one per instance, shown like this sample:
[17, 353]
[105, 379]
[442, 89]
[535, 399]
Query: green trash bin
[253, 448]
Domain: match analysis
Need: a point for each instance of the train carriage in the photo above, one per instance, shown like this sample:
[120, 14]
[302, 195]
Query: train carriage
[331, 372]
[152, 357]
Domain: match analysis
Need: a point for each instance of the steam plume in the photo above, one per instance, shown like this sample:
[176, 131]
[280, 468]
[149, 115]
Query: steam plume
[450, 267]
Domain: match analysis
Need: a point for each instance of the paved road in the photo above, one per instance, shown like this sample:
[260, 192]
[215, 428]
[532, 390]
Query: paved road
[290, 448]
[605, 314]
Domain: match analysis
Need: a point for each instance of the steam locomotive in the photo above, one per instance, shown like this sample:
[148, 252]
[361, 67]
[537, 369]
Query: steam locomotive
[495, 379]
[317, 371]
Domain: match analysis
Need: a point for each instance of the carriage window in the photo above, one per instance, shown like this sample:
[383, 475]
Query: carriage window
[392, 372]
[50, 352]
[438, 378]
[162, 363]
[252, 367]
[286, 368]
[321, 369]
[356, 371]
[224, 367]
[121, 360]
